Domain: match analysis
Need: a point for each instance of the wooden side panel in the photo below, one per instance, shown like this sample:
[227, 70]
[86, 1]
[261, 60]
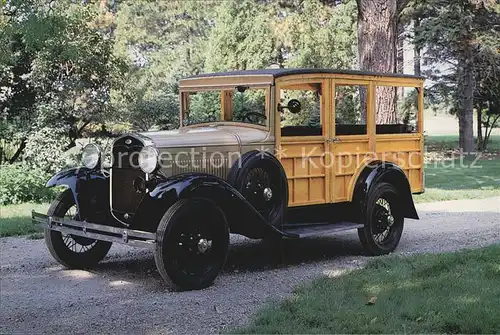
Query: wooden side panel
[348, 155]
[306, 172]
[403, 150]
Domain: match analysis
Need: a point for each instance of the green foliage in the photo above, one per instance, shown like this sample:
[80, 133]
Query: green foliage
[163, 42]
[318, 35]
[408, 107]
[309, 112]
[60, 74]
[252, 100]
[487, 94]
[454, 35]
[242, 37]
[348, 105]
[252, 35]
[45, 149]
[204, 107]
[70, 69]
[21, 183]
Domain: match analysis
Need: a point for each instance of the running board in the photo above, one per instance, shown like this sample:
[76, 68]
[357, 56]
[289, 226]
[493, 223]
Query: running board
[318, 229]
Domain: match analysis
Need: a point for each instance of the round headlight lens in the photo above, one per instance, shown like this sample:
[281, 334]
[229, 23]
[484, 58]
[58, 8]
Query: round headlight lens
[91, 155]
[148, 159]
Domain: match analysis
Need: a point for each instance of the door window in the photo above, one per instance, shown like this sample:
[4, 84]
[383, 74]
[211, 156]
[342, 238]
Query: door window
[350, 109]
[396, 109]
[307, 121]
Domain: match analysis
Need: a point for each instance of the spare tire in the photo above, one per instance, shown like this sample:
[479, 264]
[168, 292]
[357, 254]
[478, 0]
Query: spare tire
[261, 179]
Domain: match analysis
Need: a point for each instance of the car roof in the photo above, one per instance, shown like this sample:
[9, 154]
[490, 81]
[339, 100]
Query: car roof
[280, 72]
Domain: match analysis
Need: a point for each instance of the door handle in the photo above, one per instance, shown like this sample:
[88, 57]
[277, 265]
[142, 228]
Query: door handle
[334, 140]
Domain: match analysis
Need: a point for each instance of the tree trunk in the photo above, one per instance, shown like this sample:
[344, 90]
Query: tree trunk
[417, 69]
[18, 152]
[479, 112]
[466, 108]
[400, 47]
[377, 36]
[400, 57]
[487, 132]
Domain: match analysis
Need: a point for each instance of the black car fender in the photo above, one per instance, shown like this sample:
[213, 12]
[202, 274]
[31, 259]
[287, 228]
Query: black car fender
[376, 172]
[240, 214]
[90, 188]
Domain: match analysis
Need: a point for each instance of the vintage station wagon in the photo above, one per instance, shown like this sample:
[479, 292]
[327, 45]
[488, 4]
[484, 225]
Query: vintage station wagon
[268, 154]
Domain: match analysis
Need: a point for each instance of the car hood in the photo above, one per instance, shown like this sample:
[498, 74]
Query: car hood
[207, 136]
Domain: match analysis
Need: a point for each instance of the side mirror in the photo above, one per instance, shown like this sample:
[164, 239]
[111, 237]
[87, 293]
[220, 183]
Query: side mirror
[293, 106]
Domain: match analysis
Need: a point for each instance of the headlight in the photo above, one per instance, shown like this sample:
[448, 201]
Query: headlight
[148, 159]
[91, 156]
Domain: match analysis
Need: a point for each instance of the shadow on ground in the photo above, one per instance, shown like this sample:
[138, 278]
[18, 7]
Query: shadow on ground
[244, 255]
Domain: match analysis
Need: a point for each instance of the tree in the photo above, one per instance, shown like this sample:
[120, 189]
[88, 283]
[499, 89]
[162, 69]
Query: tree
[317, 35]
[61, 74]
[162, 42]
[16, 95]
[487, 94]
[453, 32]
[377, 47]
[241, 38]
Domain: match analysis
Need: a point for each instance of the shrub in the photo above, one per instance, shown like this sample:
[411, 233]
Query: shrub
[45, 149]
[19, 183]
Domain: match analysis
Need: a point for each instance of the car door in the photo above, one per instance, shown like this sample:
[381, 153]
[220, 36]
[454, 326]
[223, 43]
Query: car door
[349, 143]
[302, 139]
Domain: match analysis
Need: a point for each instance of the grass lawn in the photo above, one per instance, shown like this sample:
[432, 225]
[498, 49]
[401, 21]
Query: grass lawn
[435, 293]
[450, 142]
[450, 180]
[16, 219]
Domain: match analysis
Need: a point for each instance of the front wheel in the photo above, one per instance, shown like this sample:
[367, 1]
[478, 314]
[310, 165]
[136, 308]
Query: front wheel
[72, 251]
[192, 244]
[384, 221]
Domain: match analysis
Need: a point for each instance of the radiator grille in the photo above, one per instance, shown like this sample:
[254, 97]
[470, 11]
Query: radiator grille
[216, 167]
[125, 198]
[125, 170]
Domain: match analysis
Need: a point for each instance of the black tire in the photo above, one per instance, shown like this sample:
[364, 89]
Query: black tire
[73, 252]
[182, 261]
[381, 233]
[267, 173]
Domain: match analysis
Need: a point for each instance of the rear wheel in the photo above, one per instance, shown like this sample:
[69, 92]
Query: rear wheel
[192, 244]
[72, 251]
[384, 221]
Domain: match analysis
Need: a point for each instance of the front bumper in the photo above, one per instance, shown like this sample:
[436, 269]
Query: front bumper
[136, 238]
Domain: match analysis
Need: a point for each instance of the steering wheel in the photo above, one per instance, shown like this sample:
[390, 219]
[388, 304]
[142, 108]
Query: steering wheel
[257, 115]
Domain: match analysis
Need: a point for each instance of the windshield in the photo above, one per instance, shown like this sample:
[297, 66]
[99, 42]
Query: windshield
[243, 104]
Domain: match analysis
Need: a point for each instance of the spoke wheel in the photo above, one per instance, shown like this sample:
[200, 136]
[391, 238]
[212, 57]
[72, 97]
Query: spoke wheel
[383, 221]
[69, 250]
[77, 244]
[193, 240]
[260, 178]
[263, 191]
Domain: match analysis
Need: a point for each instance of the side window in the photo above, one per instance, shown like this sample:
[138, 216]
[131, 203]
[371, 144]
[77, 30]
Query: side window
[396, 109]
[350, 109]
[307, 121]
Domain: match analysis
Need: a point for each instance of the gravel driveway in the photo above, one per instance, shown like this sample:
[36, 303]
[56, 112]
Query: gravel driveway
[125, 294]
